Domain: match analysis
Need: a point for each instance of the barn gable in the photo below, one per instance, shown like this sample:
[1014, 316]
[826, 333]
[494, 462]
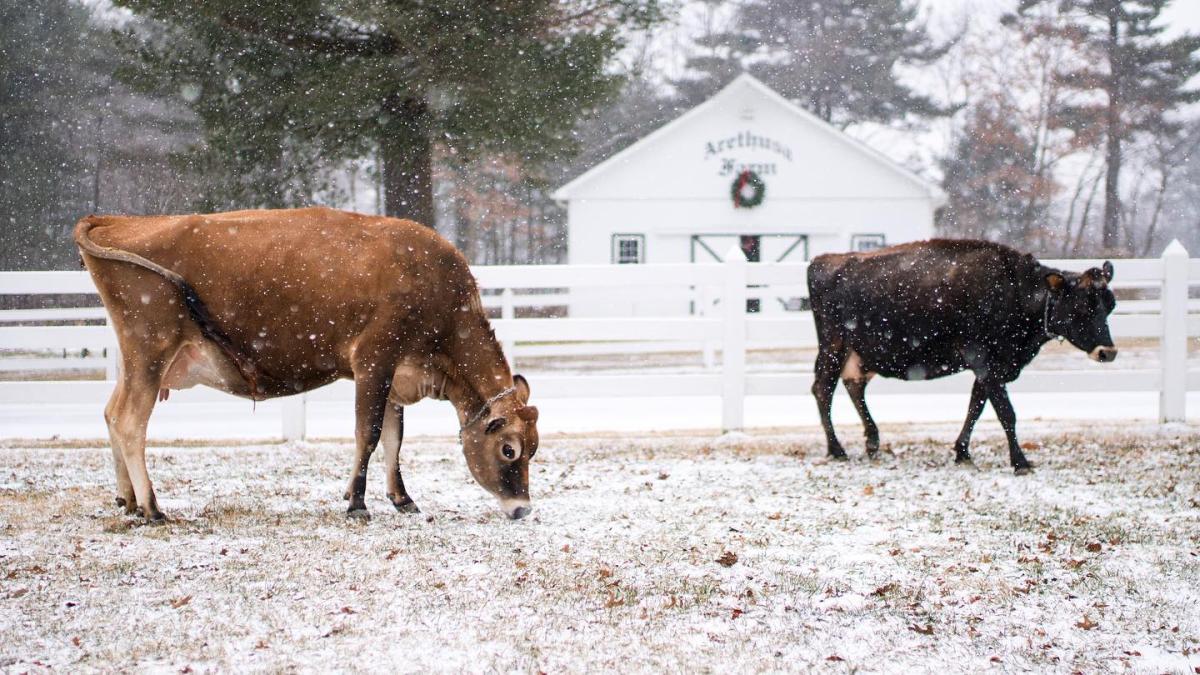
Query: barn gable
[747, 125]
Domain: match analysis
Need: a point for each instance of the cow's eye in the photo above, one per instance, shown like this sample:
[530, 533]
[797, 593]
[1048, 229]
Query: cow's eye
[509, 452]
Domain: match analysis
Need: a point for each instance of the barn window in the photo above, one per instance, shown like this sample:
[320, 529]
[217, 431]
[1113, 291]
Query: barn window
[628, 249]
[867, 242]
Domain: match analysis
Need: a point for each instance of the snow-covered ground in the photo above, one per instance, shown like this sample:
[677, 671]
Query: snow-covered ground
[679, 552]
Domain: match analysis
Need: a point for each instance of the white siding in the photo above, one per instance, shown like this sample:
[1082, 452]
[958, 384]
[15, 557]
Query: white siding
[676, 183]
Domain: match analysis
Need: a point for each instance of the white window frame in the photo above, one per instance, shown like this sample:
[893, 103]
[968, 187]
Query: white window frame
[638, 239]
[874, 242]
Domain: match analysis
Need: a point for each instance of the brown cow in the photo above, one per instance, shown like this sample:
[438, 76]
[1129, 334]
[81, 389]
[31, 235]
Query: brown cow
[273, 303]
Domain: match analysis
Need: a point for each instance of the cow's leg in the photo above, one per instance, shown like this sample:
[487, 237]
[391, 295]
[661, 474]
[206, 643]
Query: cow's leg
[126, 499]
[130, 413]
[857, 388]
[825, 376]
[391, 437]
[979, 395]
[371, 384]
[998, 395]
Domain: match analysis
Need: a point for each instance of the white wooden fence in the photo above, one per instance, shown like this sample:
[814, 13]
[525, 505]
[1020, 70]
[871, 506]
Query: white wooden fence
[1170, 317]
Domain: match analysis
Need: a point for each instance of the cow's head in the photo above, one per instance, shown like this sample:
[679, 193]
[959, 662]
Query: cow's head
[498, 446]
[1078, 310]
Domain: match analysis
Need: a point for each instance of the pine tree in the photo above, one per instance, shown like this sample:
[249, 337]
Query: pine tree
[717, 55]
[285, 87]
[837, 58]
[40, 77]
[1142, 77]
[75, 140]
[991, 177]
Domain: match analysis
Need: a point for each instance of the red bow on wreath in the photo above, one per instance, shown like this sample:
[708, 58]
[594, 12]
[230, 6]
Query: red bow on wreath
[748, 190]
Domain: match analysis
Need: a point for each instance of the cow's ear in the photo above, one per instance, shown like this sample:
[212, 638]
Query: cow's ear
[1093, 278]
[522, 387]
[1056, 281]
[1107, 270]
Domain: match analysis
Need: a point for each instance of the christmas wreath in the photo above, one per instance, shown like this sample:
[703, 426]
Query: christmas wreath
[748, 190]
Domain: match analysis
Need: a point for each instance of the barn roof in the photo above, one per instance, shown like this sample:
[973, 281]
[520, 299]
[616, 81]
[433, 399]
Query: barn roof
[735, 91]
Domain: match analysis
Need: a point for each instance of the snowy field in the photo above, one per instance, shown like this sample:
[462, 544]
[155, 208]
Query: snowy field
[677, 552]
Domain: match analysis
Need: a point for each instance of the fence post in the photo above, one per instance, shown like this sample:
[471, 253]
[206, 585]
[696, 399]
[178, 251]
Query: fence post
[294, 410]
[733, 343]
[112, 362]
[508, 311]
[703, 308]
[1172, 401]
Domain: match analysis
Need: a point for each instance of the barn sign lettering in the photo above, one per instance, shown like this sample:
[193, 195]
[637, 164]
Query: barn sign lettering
[745, 140]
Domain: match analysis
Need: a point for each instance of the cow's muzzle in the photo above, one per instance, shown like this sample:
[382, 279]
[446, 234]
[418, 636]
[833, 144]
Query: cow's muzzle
[1103, 354]
[515, 508]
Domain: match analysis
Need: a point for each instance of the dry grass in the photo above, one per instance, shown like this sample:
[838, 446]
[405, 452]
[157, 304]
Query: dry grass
[661, 552]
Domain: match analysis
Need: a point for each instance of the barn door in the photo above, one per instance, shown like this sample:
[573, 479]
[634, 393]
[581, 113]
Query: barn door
[757, 248]
[770, 247]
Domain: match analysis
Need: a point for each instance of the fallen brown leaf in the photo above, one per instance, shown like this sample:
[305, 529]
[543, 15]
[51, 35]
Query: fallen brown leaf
[884, 590]
[1087, 623]
[180, 602]
[728, 559]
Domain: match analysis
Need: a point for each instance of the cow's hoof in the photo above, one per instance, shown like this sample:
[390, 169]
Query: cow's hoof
[122, 503]
[406, 506]
[1023, 470]
[358, 514]
[838, 458]
[346, 496]
[156, 519]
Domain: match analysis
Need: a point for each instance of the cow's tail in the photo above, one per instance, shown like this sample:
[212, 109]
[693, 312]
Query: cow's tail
[197, 310]
[821, 277]
[822, 282]
[95, 250]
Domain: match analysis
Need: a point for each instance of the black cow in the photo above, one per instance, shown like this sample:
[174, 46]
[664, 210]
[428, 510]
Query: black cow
[928, 309]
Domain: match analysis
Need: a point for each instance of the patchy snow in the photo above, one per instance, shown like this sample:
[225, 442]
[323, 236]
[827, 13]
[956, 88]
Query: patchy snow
[644, 552]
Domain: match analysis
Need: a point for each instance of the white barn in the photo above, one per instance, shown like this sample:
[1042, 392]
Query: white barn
[669, 196]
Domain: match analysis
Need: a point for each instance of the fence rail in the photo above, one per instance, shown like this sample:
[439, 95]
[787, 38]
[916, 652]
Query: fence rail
[719, 321]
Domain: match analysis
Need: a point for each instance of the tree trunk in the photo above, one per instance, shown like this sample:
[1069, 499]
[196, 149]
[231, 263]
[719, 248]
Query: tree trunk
[1112, 196]
[99, 164]
[407, 155]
